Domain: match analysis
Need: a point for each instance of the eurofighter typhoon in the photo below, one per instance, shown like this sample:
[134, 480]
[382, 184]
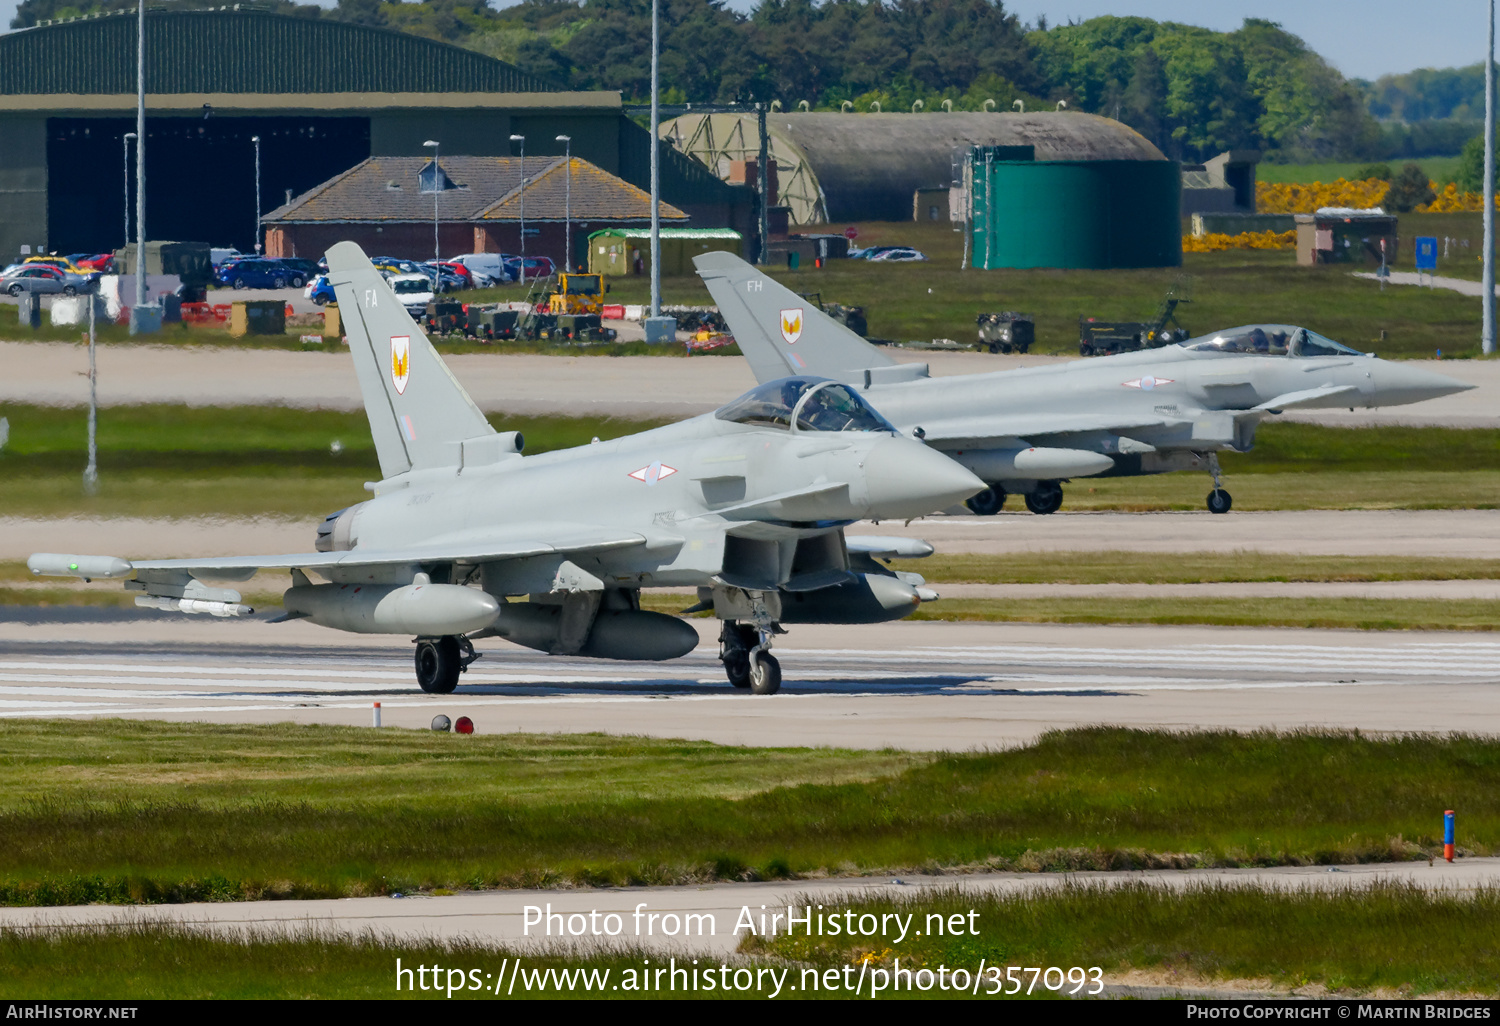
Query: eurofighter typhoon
[747, 504]
[1030, 429]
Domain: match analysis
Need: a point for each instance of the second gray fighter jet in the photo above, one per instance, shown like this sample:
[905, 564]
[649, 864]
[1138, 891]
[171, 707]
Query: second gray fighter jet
[1028, 430]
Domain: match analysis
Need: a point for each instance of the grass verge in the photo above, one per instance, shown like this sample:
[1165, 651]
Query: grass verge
[165, 460]
[1367, 614]
[122, 811]
[1185, 568]
[1384, 940]
[1392, 939]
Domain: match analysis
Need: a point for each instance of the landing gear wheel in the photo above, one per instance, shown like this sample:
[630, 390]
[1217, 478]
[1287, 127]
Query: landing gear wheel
[765, 675]
[439, 663]
[735, 642]
[988, 502]
[1219, 501]
[1047, 498]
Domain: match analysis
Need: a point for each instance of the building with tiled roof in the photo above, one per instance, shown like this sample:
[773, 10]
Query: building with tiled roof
[380, 203]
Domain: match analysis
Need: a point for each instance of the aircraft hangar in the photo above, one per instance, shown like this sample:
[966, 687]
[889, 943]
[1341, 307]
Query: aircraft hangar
[321, 95]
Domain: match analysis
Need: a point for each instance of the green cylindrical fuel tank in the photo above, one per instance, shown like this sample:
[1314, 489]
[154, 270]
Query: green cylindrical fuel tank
[1080, 214]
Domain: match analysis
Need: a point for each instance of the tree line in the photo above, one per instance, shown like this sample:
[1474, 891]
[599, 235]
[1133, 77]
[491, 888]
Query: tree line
[1192, 91]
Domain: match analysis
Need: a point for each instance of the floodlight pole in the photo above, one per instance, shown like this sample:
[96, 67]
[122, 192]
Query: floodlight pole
[655, 161]
[437, 190]
[91, 472]
[256, 140]
[140, 157]
[126, 167]
[522, 140]
[1487, 337]
[567, 141]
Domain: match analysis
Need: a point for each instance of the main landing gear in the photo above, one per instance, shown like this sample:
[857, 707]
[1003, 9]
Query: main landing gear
[988, 502]
[441, 660]
[1219, 501]
[744, 650]
[1045, 498]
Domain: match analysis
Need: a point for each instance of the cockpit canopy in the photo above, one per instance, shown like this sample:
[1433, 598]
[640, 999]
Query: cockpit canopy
[812, 404]
[1269, 340]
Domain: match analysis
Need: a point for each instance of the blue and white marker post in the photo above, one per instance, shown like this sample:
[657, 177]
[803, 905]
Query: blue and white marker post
[1448, 835]
[1426, 255]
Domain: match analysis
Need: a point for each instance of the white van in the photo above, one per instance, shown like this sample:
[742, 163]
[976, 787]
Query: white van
[414, 291]
[490, 266]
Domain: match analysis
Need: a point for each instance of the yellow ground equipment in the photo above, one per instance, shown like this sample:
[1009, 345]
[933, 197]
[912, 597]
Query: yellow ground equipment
[577, 294]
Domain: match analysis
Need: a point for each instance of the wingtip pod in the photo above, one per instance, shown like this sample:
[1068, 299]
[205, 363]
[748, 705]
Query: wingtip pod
[54, 564]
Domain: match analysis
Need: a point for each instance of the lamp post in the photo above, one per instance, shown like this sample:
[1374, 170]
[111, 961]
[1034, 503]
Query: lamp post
[522, 140]
[140, 157]
[437, 190]
[1487, 331]
[655, 169]
[567, 141]
[256, 140]
[126, 141]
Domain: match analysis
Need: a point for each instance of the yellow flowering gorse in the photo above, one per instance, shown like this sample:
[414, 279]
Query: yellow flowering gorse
[1217, 242]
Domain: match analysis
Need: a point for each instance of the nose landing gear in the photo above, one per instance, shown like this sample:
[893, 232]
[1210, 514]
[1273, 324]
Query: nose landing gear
[1219, 501]
[744, 650]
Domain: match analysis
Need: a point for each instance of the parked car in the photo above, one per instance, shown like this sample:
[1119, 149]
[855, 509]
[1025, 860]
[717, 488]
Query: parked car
[319, 291]
[43, 278]
[259, 273]
[309, 268]
[535, 267]
[453, 267]
[413, 290]
[219, 255]
[395, 265]
[60, 262]
[447, 281]
[103, 263]
[489, 268]
[894, 254]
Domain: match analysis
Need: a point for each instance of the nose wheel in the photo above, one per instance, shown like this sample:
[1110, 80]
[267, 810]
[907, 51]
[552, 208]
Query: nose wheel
[1219, 501]
[748, 663]
[1045, 498]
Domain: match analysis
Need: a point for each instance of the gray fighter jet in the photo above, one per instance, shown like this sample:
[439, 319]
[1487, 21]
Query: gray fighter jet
[1029, 430]
[747, 504]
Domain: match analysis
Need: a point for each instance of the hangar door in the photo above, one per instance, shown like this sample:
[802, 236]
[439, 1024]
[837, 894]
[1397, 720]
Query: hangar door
[200, 175]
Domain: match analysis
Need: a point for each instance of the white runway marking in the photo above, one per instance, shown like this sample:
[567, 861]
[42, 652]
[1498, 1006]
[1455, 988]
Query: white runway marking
[274, 678]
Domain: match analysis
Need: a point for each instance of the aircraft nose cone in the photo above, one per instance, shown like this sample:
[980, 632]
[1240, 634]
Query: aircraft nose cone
[904, 479]
[1396, 384]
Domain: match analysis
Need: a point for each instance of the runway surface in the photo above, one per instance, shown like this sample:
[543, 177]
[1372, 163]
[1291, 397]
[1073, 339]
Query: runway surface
[501, 917]
[54, 373]
[916, 686]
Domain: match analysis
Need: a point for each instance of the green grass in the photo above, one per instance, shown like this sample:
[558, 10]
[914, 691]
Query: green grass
[1392, 938]
[265, 460]
[246, 460]
[1367, 614]
[1440, 169]
[1186, 568]
[137, 811]
[169, 962]
[1237, 287]
[1386, 940]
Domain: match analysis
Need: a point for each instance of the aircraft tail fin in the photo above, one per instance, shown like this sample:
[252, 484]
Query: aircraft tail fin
[780, 332]
[419, 414]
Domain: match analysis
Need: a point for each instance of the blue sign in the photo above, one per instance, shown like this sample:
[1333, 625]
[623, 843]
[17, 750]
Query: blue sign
[1426, 253]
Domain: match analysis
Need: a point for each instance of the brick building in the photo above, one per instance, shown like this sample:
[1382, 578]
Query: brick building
[381, 204]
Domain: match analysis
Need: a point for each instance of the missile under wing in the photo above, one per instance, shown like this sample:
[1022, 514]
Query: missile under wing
[465, 538]
[1030, 429]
